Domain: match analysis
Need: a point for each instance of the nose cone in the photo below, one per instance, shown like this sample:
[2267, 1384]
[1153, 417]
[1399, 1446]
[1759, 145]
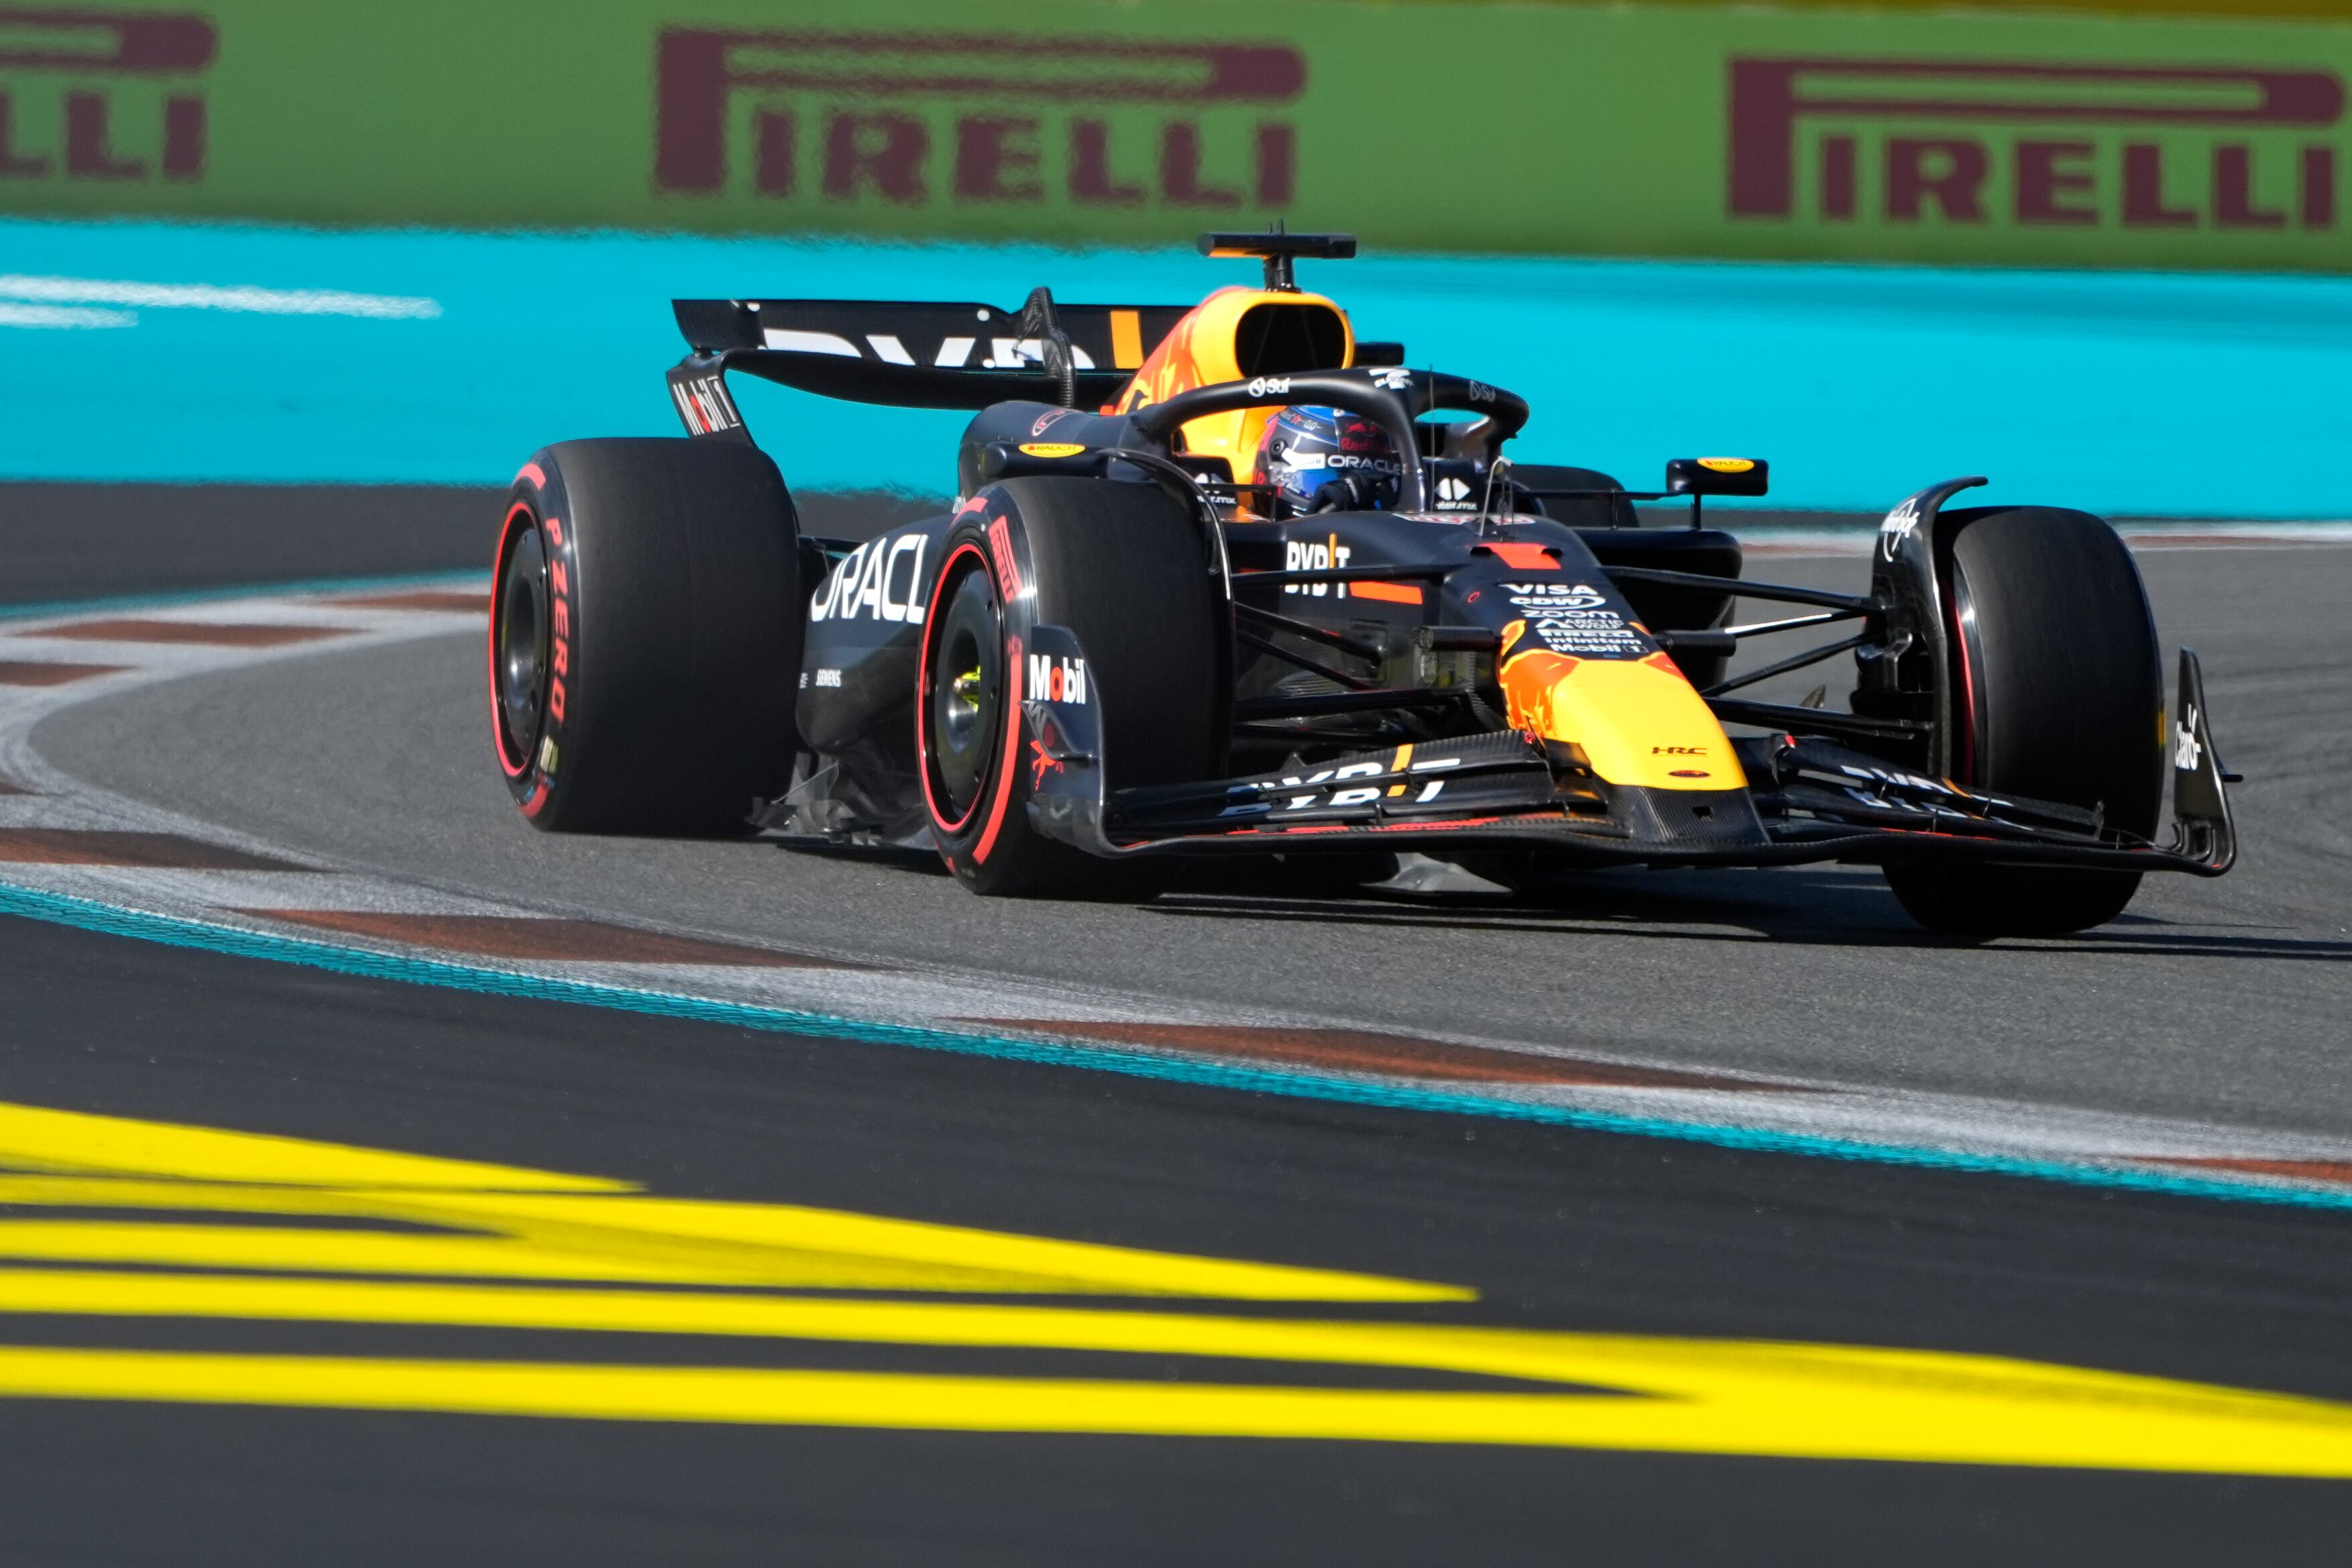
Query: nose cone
[1638, 722]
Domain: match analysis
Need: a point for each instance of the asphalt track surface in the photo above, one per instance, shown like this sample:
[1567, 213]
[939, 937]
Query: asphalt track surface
[2222, 999]
[2217, 1000]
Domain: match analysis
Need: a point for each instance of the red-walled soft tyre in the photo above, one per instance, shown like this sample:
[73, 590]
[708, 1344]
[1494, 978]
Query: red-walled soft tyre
[1123, 567]
[644, 637]
[2060, 697]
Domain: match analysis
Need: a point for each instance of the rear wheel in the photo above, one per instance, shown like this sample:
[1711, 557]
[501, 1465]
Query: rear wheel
[2058, 695]
[644, 637]
[1122, 567]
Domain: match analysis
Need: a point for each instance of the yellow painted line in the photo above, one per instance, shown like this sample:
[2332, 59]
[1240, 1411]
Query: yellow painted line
[103, 1293]
[501, 1223]
[1743, 1397]
[1821, 1402]
[204, 1197]
[1506, 1353]
[514, 1222]
[326, 1251]
[42, 1138]
[316, 1251]
[639, 1239]
[787, 1244]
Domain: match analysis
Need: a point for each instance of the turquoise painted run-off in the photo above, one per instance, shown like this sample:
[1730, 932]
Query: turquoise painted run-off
[2131, 393]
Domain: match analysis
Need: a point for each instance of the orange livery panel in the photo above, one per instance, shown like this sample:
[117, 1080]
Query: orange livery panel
[1241, 335]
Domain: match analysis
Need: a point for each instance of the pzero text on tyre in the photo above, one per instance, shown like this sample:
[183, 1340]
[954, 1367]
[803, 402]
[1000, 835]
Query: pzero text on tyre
[1125, 569]
[645, 636]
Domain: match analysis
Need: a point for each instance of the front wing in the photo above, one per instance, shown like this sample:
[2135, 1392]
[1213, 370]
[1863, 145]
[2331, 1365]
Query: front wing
[1808, 799]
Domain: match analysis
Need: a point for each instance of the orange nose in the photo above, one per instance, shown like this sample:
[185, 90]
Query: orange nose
[1638, 721]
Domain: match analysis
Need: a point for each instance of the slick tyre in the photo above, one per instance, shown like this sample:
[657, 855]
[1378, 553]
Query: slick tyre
[2058, 694]
[1122, 566]
[646, 637]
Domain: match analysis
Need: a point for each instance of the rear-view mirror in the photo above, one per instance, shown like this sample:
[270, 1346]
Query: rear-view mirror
[1717, 476]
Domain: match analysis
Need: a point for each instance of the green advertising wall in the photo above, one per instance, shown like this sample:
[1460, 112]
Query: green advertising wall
[2043, 137]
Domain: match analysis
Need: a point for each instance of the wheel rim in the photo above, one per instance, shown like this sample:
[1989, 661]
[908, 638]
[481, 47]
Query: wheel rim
[962, 705]
[519, 665]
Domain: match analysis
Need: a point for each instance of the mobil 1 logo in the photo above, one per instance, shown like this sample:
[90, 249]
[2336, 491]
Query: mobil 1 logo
[1057, 678]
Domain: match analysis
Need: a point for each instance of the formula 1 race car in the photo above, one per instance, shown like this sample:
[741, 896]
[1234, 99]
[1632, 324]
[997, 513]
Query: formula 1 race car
[1121, 644]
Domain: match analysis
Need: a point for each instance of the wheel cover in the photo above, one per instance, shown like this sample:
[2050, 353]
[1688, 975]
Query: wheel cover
[519, 664]
[964, 692]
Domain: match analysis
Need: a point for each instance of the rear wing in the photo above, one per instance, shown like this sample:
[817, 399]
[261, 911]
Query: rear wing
[910, 354]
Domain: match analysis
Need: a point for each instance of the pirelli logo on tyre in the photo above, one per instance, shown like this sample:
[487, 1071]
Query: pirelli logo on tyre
[2108, 149]
[817, 119]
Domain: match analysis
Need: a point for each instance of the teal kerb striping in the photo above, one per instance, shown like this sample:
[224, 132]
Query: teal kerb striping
[177, 931]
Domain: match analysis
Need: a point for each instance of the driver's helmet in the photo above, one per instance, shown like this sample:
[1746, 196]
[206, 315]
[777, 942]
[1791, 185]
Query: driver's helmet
[1325, 460]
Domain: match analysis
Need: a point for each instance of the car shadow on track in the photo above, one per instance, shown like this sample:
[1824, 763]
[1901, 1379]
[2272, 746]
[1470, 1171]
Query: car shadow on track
[922, 860]
[1826, 908]
[1813, 907]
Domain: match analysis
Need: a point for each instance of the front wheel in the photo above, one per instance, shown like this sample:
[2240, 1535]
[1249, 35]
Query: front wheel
[2059, 695]
[1121, 567]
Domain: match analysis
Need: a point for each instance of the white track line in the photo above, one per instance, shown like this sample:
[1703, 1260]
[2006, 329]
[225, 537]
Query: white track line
[243, 297]
[67, 316]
